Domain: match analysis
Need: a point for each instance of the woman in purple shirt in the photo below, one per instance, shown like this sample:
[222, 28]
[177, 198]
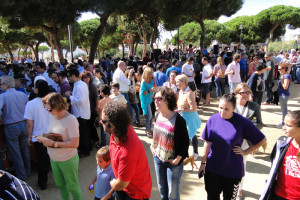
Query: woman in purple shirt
[222, 160]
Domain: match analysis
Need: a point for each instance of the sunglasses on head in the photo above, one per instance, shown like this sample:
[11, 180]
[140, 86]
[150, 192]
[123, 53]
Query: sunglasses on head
[104, 121]
[48, 109]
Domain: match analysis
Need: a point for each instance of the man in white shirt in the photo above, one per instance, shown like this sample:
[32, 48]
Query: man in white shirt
[206, 79]
[188, 70]
[124, 82]
[80, 109]
[233, 72]
[41, 69]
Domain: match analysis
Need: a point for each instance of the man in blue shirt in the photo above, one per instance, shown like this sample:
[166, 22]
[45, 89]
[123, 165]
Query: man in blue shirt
[12, 108]
[243, 65]
[174, 67]
[160, 77]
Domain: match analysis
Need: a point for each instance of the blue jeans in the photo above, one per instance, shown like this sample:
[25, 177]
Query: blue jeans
[232, 86]
[149, 118]
[220, 86]
[137, 112]
[168, 179]
[268, 90]
[298, 75]
[283, 106]
[17, 148]
[129, 108]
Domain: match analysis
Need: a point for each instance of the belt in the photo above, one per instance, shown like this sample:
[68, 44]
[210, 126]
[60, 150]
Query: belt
[15, 123]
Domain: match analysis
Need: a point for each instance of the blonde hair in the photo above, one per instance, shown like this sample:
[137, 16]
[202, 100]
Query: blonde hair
[240, 86]
[147, 72]
[220, 61]
[182, 78]
[103, 153]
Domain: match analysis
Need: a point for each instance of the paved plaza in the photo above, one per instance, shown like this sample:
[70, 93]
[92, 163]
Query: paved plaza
[191, 188]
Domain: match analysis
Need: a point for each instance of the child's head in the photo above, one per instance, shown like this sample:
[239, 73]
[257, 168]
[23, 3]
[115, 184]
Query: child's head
[103, 157]
[291, 126]
[115, 87]
[104, 90]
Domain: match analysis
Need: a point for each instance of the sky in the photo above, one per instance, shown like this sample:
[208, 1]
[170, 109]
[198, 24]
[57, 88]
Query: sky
[250, 7]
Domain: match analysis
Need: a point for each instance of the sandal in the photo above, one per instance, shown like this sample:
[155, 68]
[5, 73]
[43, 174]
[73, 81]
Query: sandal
[149, 134]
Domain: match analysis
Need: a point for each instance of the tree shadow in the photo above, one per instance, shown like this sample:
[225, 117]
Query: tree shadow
[254, 167]
[250, 194]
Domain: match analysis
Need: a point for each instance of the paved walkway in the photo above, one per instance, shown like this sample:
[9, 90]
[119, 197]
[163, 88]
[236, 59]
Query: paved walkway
[191, 187]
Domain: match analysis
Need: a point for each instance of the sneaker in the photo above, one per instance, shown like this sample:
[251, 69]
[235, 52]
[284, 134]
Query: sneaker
[196, 156]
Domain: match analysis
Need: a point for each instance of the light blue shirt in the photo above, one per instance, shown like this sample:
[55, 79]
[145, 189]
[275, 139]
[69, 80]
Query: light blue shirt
[12, 106]
[103, 181]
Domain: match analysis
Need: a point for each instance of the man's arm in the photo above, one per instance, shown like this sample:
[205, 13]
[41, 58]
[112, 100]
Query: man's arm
[118, 185]
[29, 127]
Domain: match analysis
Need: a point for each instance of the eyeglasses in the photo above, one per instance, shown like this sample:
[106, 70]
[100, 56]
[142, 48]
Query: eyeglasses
[104, 121]
[157, 98]
[244, 93]
[48, 109]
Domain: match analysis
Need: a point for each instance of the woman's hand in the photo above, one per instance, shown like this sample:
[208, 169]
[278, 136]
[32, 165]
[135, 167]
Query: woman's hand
[202, 168]
[239, 150]
[174, 161]
[152, 150]
[47, 142]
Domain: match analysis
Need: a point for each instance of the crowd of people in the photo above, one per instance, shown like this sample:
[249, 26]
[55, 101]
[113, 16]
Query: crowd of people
[56, 109]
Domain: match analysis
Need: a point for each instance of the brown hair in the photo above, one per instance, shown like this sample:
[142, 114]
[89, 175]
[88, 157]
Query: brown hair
[103, 153]
[284, 66]
[168, 95]
[239, 87]
[55, 101]
[295, 115]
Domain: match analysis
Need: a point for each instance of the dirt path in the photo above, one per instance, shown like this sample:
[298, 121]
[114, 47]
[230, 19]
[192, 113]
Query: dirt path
[191, 187]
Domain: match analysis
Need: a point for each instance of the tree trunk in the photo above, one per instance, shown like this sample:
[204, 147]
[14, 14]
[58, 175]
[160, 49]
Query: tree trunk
[271, 37]
[131, 47]
[66, 54]
[36, 52]
[25, 52]
[144, 40]
[87, 52]
[202, 38]
[58, 46]
[19, 53]
[7, 47]
[52, 47]
[154, 32]
[135, 48]
[97, 36]
[123, 50]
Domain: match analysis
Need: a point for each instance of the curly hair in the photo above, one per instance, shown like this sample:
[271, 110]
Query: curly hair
[118, 116]
[168, 95]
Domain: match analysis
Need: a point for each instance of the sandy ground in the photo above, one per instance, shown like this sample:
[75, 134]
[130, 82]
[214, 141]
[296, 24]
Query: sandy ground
[191, 187]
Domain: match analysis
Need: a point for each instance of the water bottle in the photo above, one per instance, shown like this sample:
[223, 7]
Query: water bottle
[91, 189]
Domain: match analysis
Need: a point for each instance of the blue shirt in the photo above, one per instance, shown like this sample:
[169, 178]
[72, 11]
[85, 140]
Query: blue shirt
[160, 78]
[103, 181]
[173, 68]
[243, 66]
[12, 106]
[281, 91]
[80, 69]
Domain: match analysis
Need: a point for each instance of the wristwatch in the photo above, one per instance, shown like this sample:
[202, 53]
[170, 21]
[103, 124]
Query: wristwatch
[55, 145]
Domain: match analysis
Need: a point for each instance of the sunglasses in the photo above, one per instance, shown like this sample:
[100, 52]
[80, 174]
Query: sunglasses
[157, 98]
[48, 109]
[104, 121]
[244, 93]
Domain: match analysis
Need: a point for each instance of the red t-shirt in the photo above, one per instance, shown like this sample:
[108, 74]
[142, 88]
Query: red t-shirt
[130, 164]
[288, 179]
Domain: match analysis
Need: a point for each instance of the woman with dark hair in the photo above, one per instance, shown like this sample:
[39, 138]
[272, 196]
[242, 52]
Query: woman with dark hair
[94, 101]
[128, 156]
[222, 160]
[63, 154]
[256, 82]
[284, 181]
[283, 90]
[170, 143]
[171, 83]
[37, 123]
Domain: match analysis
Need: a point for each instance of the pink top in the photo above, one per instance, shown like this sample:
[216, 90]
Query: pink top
[252, 67]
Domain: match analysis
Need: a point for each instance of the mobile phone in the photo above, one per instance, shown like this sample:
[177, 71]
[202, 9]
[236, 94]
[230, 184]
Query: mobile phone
[201, 174]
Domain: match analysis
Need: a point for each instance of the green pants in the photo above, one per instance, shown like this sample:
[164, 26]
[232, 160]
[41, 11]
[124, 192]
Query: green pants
[66, 177]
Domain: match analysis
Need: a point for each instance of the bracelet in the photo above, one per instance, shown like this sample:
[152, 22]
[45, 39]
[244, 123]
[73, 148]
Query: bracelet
[203, 163]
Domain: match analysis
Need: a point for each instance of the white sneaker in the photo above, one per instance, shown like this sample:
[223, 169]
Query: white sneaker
[196, 156]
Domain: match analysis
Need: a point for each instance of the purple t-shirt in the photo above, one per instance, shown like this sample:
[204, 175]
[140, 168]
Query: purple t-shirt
[64, 88]
[224, 135]
[281, 91]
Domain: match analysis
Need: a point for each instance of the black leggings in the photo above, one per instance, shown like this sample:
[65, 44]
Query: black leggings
[215, 184]
[121, 195]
